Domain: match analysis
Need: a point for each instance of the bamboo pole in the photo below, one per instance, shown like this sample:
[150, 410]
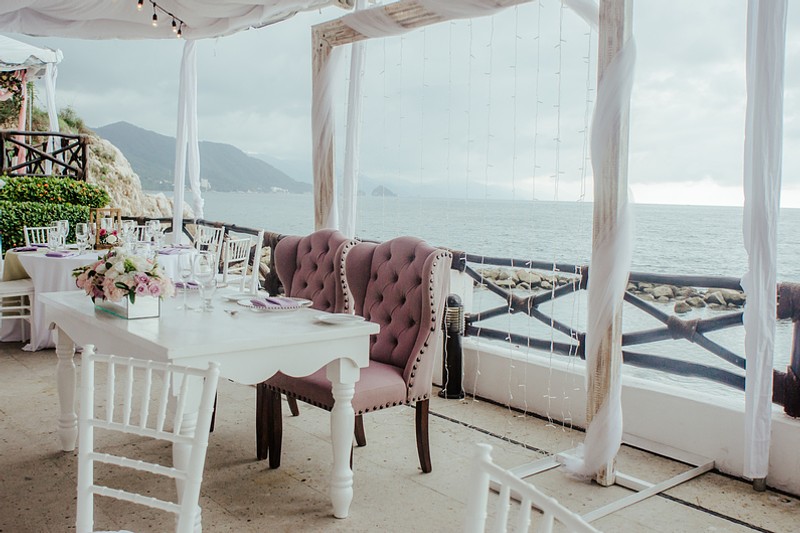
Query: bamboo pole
[610, 189]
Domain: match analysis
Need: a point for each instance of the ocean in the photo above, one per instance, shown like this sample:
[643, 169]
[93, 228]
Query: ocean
[668, 239]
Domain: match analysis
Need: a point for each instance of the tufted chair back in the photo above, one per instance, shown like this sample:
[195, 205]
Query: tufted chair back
[312, 267]
[402, 284]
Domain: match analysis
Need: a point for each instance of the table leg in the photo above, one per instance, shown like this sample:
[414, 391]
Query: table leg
[343, 374]
[66, 382]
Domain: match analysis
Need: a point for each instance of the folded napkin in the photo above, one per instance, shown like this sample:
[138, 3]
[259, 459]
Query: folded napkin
[60, 254]
[188, 285]
[170, 251]
[181, 246]
[24, 249]
[275, 302]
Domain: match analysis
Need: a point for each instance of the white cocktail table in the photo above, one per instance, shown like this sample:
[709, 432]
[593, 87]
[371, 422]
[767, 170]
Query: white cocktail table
[249, 346]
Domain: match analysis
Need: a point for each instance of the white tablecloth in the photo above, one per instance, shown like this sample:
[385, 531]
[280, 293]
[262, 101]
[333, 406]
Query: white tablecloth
[54, 274]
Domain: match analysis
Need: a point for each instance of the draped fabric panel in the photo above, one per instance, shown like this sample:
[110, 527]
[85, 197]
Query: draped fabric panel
[358, 52]
[766, 38]
[187, 98]
[610, 261]
[50, 75]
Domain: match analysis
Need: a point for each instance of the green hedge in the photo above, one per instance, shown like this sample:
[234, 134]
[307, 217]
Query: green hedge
[15, 215]
[53, 191]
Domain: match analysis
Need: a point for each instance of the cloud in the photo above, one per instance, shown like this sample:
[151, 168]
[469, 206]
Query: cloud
[479, 107]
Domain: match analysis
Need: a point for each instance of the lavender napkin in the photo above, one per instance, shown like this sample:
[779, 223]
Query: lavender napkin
[60, 254]
[188, 285]
[275, 302]
[24, 249]
[170, 251]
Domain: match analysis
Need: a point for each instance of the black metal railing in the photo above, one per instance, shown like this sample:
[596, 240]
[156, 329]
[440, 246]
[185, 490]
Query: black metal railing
[565, 279]
[25, 153]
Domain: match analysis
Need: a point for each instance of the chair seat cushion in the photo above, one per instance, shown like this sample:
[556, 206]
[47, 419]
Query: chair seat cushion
[16, 287]
[379, 386]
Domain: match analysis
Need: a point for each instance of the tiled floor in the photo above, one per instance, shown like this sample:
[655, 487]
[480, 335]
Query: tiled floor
[240, 494]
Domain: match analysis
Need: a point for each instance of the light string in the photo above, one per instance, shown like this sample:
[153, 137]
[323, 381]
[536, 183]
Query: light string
[177, 22]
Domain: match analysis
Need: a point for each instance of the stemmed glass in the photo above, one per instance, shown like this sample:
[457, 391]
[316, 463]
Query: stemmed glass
[128, 228]
[185, 271]
[63, 231]
[152, 230]
[206, 274]
[81, 235]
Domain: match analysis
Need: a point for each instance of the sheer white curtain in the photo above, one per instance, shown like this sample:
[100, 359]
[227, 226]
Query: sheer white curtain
[50, 75]
[186, 141]
[766, 42]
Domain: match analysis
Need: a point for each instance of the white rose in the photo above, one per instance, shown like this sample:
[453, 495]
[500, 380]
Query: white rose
[111, 239]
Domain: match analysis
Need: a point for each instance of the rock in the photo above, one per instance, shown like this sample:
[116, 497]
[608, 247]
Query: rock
[714, 298]
[632, 287]
[503, 274]
[506, 283]
[523, 285]
[736, 298]
[695, 301]
[662, 299]
[716, 306]
[686, 292]
[489, 273]
[546, 285]
[682, 307]
[526, 276]
[663, 291]
[643, 286]
[108, 168]
[646, 296]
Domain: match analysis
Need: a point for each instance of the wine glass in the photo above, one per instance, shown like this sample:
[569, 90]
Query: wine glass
[185, 272]
[63, 230]
[128, 228]
[81, 235]
[53, 238]
[206, 274]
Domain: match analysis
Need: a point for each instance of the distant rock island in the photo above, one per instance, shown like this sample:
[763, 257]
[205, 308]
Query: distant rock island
[380, 190]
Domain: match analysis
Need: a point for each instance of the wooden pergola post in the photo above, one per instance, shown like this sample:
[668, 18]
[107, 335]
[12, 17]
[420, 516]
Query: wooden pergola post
[610, 193]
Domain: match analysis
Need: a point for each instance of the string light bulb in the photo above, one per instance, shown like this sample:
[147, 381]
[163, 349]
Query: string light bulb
[177, 23]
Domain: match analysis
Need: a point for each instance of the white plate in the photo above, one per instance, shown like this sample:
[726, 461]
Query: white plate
[338, 318]
[235, 296]
[301, 302]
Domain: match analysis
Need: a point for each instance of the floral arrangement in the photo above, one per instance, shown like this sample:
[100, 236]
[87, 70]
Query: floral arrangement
[107, 237]
[119, 275]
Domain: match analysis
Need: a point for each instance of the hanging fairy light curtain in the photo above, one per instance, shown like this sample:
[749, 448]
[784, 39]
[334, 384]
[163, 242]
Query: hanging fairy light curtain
[611, 246]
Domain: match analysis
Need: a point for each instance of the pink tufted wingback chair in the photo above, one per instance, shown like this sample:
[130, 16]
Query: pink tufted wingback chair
[402, 285]
[310, 267]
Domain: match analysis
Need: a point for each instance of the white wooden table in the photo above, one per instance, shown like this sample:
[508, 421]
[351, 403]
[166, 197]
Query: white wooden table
[250, 347]
[52, 274]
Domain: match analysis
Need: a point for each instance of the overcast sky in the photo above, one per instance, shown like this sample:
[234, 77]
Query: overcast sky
[471, 109]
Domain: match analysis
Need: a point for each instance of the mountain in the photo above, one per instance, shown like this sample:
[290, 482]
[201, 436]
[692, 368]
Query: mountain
[224, 167]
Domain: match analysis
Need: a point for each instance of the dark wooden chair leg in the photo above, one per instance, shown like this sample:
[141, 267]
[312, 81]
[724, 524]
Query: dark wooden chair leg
[213, 414]
[262, 445]
[361, 436]
[293, 406]
[274, 428]
[423, 444]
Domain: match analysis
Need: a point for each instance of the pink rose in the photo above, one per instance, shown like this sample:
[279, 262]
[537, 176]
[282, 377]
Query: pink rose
[141, 288]
[155, 289]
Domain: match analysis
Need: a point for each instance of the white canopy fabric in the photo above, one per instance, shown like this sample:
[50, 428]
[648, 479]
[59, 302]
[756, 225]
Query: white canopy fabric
[120, 19]
[105, 19]
[16, 55]
[37, 63]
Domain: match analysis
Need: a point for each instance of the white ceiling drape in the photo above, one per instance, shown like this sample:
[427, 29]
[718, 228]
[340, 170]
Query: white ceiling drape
[766, 42]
